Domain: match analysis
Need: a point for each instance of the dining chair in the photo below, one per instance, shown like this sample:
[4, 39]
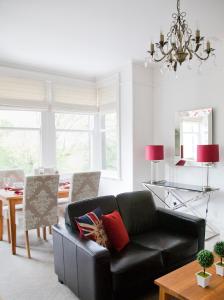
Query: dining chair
[40, 204]
[84, 185]
[10, 177]
[46, 171]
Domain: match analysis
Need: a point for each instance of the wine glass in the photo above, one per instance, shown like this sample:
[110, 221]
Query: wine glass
[41, 171]
[7, 181]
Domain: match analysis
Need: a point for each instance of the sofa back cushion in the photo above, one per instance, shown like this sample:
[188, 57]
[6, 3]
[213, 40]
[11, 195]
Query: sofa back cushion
[138, 211]
[79, 208]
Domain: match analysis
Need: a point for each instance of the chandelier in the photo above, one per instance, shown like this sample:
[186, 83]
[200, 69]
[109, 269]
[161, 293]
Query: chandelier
[179, 45]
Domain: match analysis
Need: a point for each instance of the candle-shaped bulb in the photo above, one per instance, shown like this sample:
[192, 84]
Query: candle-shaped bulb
[208, 46]
[161, 37]
[152, 47]
[197, 36]
[197, 33]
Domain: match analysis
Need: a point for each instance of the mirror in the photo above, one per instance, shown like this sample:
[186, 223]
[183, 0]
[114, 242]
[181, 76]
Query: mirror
[192, 128]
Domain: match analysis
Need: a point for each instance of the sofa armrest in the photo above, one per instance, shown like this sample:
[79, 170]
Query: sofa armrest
[182, 223]
[91, 247]
[83, 265]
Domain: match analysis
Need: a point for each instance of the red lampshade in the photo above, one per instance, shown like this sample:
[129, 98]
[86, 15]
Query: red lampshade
[208, 153]
[154, 152]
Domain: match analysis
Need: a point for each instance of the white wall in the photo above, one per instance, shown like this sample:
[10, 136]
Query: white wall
[142, 122]
[136, 128]
[191, 91]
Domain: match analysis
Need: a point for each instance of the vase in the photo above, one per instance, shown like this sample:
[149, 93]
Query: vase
[201, 280]
[219, 268]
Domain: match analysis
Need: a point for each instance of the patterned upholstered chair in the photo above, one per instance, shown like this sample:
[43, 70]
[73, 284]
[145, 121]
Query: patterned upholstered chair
[40, 203]
[84, 185]
[13, 176]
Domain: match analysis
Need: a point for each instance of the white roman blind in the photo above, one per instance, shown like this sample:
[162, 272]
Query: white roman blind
[108, 94]
[76, 97]
[22, 92]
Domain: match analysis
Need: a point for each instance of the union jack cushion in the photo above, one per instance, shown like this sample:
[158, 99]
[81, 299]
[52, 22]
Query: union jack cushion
[91, 227]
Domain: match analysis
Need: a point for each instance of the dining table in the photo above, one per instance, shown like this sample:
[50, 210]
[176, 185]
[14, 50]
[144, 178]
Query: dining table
[11, 199]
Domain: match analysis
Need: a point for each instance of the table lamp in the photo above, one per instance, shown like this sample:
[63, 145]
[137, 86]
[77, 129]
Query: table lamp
[207, 154]
[154, 153]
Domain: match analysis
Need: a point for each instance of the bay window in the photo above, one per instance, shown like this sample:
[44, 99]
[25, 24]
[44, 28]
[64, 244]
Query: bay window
[70, 125]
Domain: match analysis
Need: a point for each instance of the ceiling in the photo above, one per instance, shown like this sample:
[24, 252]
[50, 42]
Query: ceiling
[92, 37]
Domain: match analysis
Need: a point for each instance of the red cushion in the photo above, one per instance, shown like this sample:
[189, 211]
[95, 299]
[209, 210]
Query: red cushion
[116, 230]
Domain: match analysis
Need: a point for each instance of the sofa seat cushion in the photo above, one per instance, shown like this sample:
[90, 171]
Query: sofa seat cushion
[134, 264]
[173, 246]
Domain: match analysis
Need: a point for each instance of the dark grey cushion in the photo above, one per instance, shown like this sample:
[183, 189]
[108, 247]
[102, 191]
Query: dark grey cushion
[79, 208]
[133, 265]
[174, 246]
[138, 211]
[182, 223]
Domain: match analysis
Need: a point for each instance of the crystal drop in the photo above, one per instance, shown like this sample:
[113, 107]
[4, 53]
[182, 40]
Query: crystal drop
[146, 63]
[189, 65]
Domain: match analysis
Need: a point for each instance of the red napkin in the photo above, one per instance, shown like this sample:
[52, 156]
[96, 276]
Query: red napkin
[64, 183]
[67, 187]
[18, 192]
[181, 162]
[13, 189]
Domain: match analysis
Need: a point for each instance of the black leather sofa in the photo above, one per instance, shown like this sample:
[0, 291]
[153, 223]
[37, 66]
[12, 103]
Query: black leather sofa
[161, 240]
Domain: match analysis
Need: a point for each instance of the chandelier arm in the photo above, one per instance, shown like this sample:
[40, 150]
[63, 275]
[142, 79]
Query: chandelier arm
[189, 39]
[190, 53]
[160, 59]
[163, 52]
[197, 47]
[201, 58]
[164, 56]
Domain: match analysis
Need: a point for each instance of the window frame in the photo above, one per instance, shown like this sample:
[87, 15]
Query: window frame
[89, 131]
[106, 172]
[19, 128]
[116, 175]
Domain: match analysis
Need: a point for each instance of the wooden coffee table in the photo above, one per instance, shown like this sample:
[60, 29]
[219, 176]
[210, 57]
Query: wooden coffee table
[182, 284]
